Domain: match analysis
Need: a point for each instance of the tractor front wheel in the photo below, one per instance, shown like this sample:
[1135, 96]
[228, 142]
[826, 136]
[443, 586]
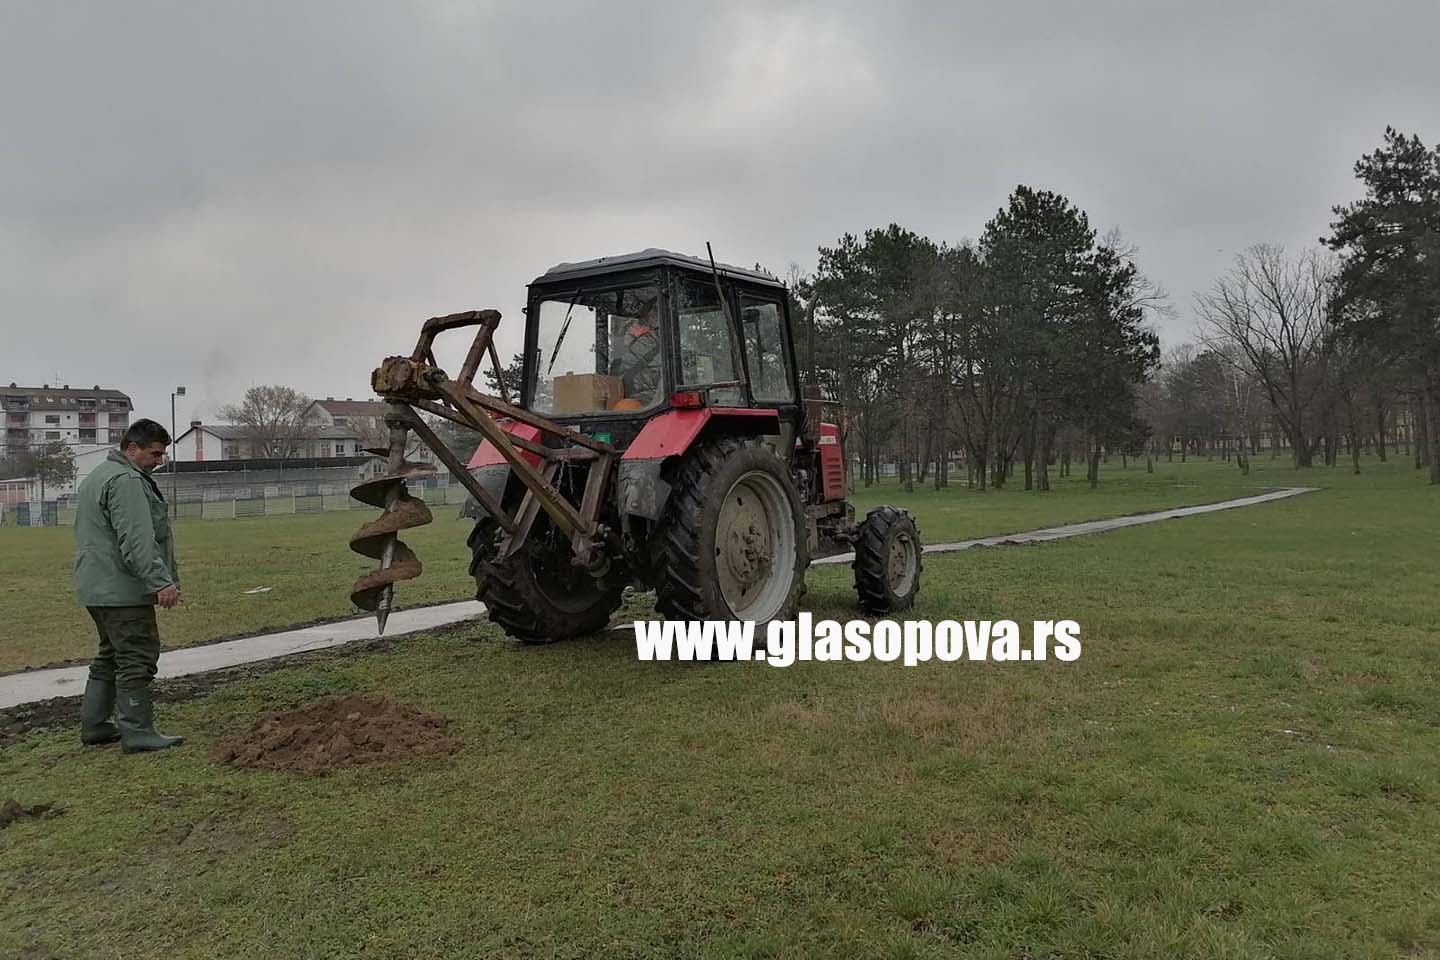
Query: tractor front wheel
[732, 543]
[537, 596]
[887, 561]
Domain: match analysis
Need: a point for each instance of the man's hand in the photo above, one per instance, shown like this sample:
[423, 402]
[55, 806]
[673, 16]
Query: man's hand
[168, 597]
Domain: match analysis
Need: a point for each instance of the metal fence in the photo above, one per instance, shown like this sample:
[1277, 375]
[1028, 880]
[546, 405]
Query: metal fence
[239, 503]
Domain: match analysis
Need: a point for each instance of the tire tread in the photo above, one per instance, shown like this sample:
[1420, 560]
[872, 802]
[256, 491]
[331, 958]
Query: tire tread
[871, 580]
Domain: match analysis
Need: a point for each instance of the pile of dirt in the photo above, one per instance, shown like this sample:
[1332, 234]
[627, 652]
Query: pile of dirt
[11, 811]
[336, 732]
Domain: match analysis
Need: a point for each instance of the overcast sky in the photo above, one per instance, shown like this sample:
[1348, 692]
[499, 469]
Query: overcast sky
[225, 194]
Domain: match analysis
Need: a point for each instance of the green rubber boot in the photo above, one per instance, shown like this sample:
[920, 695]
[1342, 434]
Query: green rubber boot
[95, 710]
[136, 716]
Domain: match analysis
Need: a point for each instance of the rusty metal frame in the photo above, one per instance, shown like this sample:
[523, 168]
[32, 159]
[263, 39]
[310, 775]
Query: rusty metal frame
[417, 383]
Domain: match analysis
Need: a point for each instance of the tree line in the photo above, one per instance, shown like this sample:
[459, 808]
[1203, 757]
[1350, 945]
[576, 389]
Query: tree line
[1032, 346]
[1335, 348]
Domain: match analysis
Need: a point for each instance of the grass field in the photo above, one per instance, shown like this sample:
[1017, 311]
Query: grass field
[1245, 762]
[305, 560]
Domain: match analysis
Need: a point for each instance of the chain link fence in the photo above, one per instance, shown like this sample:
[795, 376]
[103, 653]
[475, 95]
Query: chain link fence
[271, 500]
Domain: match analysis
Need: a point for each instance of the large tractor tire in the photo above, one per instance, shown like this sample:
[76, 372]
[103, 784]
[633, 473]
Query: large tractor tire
[732, 541]
[537, 595]
[887, 561]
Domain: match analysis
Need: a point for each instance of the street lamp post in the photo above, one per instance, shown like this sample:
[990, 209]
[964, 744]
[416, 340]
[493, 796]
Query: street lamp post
[174, 507]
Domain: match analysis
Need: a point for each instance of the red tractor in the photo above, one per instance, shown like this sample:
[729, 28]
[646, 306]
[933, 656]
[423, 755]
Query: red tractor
[660, 436]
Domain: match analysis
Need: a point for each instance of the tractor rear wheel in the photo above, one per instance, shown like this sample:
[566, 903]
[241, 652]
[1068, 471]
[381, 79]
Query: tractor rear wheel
[887, 561]
[732, 542]
[536, 595]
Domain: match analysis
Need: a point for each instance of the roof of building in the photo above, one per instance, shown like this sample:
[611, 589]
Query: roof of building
[652, 256]
[236, 431]
[74, 406]
[352, 408]
[62, 396]
[225, 431]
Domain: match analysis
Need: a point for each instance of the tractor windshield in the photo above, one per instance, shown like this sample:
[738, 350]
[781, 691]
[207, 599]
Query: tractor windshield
[596, 351]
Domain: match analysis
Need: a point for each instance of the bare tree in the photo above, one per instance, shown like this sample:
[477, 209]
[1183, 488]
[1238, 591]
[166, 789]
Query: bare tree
[1183, 399]
[1274, 311]
[1238, 391]
[279, 421]
[374, 434]
[1350, 371]
[1151, 408]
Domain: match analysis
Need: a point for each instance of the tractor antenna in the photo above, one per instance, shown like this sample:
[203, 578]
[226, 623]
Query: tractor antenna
[715, 274]
[810, 334]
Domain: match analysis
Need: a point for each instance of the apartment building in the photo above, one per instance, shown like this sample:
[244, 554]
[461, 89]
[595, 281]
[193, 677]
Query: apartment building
[81, 418]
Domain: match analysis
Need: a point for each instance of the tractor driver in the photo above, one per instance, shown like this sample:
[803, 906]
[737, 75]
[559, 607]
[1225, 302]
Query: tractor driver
[635, 355]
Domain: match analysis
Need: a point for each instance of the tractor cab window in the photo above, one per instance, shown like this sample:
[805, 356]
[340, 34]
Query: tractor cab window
[596, 351]
[765, 351]
[707, 353]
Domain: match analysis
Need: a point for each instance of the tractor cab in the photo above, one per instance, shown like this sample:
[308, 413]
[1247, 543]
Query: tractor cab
[613, 342]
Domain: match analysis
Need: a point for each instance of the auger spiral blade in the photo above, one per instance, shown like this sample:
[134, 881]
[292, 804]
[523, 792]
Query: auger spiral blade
[379, 540]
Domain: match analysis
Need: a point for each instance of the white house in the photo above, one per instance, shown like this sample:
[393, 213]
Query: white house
[366, 419]
[362, 416]
[344, 429]
[228, 441]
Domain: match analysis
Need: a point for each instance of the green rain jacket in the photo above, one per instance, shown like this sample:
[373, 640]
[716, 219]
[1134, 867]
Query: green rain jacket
[124, 551]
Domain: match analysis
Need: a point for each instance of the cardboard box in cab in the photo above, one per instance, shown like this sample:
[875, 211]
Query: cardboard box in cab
[586, 392]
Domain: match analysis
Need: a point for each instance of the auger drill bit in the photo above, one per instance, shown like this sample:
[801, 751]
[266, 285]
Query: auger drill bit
[378, 539]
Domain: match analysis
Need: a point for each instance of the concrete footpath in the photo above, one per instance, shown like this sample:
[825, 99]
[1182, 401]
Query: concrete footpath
[1095, 526]
[36, 685]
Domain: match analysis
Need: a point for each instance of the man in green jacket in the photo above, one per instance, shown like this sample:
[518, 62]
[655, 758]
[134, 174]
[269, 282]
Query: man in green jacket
[124, 567]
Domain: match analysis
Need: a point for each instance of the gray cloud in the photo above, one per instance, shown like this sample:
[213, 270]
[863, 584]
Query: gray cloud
[222, 194]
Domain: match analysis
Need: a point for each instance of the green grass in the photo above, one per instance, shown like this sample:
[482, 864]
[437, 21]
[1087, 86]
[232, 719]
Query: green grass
[1245, 762]
[305, 560]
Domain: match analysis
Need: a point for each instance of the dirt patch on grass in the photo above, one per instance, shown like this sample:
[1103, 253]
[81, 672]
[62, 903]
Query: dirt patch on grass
[214, 838]
[336, 732]
[11, 812]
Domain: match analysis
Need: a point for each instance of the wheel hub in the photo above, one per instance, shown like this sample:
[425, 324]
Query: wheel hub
[748, 553]
[754, 539]
[900, 564]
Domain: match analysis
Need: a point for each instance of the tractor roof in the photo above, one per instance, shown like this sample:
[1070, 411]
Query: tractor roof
[648, 258]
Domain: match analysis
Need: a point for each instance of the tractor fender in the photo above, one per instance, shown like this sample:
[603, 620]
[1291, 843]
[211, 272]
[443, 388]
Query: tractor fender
[487, 454]
[671, 433]
[641, 488]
